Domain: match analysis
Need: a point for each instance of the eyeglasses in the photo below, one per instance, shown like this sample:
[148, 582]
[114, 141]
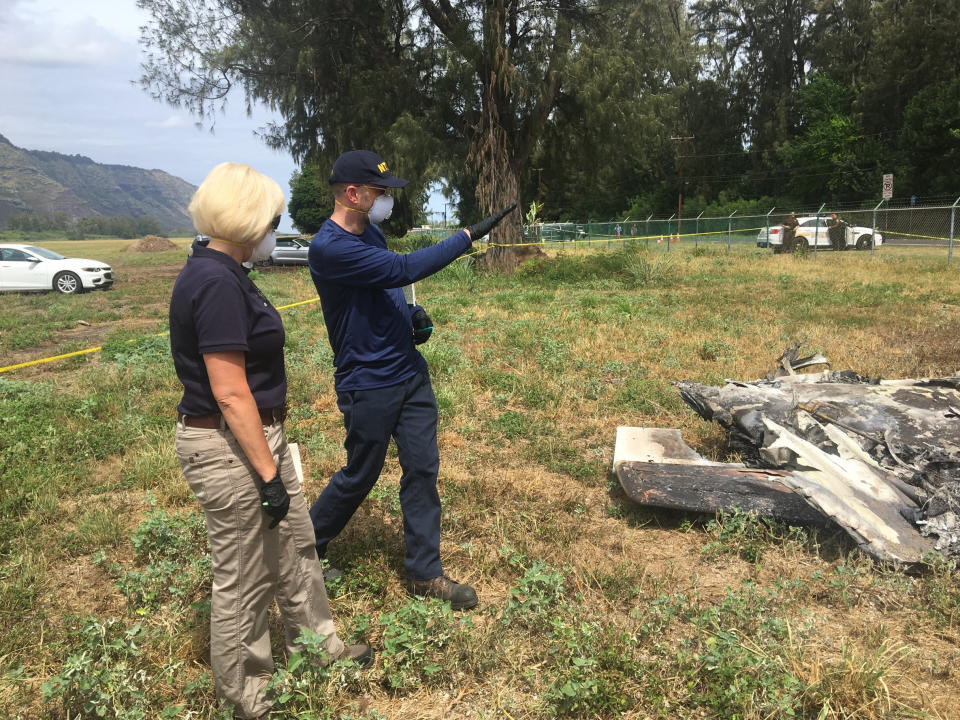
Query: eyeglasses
[276, 222]
[383, 190]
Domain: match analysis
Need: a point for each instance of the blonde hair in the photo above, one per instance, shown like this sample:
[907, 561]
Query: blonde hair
[236, 203]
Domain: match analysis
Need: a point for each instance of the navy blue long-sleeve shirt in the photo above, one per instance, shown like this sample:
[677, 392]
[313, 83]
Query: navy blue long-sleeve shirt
[360, 285]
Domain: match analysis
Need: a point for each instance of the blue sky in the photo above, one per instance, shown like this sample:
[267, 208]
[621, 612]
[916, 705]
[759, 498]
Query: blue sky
[67, 72]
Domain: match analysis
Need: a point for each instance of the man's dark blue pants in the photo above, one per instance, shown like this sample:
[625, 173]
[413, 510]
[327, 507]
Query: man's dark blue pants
[408, 413]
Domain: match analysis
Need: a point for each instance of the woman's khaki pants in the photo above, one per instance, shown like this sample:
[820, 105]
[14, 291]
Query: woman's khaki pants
[252, 564]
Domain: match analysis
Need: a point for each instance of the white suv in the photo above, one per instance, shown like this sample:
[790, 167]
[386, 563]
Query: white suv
[28, 267]
[809, 233]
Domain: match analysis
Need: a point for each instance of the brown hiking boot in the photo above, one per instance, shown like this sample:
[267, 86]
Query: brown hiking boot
[361, 654]
[460, 597]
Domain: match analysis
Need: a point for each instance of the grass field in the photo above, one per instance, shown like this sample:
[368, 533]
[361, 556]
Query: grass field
[590, 607]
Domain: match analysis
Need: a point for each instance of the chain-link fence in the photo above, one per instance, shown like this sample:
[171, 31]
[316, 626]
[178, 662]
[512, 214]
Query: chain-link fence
[864, 229]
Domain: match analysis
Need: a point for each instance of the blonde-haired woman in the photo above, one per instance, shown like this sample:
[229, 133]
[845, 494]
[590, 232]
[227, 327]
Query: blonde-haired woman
[227, 345]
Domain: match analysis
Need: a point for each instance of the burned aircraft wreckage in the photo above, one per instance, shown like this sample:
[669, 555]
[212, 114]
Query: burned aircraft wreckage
[881, 458]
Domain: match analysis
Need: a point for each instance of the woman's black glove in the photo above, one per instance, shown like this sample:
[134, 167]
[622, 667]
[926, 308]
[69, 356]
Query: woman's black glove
[422, 325]
[489, 223]
[274, 499]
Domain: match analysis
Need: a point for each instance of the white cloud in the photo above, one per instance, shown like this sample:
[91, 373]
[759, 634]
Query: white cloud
[31, 39]
[65, 85]
[174, 121]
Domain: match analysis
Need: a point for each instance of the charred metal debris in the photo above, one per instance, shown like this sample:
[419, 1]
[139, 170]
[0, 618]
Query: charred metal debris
[881, 458]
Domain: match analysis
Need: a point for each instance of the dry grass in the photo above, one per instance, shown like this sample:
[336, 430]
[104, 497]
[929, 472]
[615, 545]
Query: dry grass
[533, 373]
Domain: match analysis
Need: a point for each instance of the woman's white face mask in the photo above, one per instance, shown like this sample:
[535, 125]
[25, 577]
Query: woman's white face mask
[262, 251]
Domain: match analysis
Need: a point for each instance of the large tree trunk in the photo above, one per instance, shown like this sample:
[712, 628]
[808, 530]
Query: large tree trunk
[491, 151]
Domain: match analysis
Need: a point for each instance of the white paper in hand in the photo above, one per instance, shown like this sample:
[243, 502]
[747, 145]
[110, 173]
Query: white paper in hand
[410, 294]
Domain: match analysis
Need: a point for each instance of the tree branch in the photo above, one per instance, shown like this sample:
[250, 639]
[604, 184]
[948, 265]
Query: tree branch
[535, 122]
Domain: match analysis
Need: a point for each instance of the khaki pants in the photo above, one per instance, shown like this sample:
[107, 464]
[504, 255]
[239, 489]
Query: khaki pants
[252, 564]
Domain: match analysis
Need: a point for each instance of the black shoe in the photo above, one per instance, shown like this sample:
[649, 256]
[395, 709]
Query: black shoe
[361, 654]
[460, 597]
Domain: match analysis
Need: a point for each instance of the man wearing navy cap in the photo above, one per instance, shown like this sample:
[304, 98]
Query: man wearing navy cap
[382, 381]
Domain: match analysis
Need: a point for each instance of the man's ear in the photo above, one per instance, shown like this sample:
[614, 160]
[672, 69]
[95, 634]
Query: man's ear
[352, 193]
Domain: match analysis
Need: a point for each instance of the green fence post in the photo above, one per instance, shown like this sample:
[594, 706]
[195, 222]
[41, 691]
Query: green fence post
[953, 214]
[669, 220]
[816, 231]
[646, 232]
[873, 232]
[730, 227]
[768, 224]
[696, 237]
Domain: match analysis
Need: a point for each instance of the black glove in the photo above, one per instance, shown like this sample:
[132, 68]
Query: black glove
[489, 223]
[274, 499]
[422, 325]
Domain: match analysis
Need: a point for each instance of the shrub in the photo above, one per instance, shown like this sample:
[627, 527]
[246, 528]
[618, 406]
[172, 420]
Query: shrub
[108, 675]
[414, 640]
[172, 550]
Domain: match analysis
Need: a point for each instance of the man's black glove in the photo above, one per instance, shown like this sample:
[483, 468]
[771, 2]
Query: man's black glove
[274, 499]
[422, 325]
[489, 223]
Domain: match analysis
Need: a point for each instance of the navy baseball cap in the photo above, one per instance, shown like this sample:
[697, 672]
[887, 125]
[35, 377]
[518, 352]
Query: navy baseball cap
[363, 167]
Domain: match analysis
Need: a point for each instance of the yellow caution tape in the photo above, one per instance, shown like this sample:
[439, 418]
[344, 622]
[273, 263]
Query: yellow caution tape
[51, 359]
[897, 233]
[558, 243]
[98, 348]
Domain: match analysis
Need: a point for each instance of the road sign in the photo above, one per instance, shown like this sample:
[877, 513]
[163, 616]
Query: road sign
[888, 186]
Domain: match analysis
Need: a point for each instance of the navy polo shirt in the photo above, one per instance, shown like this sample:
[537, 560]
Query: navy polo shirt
[360, 286]
[216, 307]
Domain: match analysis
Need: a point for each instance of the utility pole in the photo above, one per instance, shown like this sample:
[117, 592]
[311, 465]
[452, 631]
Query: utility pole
[679, 138]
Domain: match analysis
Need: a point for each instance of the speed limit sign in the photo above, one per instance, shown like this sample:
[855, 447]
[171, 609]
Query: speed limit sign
[888, 186]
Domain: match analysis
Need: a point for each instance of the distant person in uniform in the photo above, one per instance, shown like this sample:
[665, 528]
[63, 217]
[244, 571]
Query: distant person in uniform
[790, 226]
[836, 231]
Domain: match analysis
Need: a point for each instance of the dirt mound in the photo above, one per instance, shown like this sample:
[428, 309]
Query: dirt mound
[151, 243]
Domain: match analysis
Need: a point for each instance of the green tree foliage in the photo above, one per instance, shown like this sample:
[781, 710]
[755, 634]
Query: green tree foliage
[465, 87]
[40, 222]
[310, 200]
[844, 35]
[584, 105]
[78, 228]
[761, 49]
[831, 155]
[931, 138]
[620, 102]
[915, 44]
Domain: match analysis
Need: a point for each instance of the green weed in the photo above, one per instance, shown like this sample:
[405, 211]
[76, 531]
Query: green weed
[415, 638]
[171, 551]
[307, 686]
[128, 349]
[531, 603]
[748, 535]
[108, 675]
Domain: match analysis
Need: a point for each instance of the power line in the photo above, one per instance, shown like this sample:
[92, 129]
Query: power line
[762, 150]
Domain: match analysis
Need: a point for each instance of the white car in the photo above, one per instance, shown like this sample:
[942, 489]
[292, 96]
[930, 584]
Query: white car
[28, 267]
[290, 251]
[808, 233]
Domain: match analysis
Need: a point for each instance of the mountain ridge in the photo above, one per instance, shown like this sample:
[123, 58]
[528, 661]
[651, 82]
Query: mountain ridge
[44, 182]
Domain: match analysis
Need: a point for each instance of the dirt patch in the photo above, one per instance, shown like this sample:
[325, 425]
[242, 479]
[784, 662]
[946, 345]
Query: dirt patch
[503, 258]
[151, 243]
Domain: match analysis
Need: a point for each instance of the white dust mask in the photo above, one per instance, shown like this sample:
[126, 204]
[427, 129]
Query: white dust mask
[381, 209]
[262, 251]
